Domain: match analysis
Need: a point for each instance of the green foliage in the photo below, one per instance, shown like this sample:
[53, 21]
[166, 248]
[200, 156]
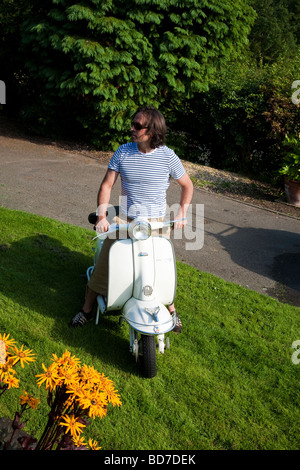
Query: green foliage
[98, 61]
[276, 29]
[291, 159]
[12, 12]
[243, 119]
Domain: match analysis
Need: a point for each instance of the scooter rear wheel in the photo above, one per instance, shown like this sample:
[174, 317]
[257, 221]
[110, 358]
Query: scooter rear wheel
[148, 356]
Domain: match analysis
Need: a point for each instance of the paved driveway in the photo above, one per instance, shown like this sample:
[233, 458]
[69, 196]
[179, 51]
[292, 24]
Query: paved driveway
[250, 246]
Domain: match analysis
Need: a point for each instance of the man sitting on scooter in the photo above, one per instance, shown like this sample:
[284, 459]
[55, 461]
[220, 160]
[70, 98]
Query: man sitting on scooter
[145, 166]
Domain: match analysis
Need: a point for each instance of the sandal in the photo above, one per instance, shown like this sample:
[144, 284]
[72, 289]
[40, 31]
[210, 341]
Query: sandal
[178, 326]
[81, 318]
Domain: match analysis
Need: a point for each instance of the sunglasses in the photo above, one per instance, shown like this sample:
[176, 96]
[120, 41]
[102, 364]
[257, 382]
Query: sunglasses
[138, 126]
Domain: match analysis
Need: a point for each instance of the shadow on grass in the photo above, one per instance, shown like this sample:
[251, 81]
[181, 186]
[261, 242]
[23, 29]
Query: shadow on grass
[48, 278]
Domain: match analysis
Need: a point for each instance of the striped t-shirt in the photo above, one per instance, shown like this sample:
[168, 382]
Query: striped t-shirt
[145, 178]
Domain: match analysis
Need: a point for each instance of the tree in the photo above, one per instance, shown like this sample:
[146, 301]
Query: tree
[274, 33]
[12, 13]
[294, 9]
[98, 60]
[240, 124]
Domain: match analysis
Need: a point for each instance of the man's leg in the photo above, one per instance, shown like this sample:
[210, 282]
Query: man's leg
[90, 299]
[98, 282]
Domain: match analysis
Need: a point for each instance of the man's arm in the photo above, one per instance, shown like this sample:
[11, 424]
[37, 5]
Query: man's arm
[103, 199]
[187, 190]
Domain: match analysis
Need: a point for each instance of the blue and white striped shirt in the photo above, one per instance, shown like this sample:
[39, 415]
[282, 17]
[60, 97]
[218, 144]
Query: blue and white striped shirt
[145, 178]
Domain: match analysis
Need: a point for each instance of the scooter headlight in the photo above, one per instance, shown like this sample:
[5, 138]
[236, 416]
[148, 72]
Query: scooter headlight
[140, 229]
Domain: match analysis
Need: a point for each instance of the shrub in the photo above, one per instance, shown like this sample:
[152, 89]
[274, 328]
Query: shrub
[291, 159]
[244, 117]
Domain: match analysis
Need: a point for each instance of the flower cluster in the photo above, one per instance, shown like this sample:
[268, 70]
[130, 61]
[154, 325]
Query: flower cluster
[75, 393]
[28, 401]
[10, 356]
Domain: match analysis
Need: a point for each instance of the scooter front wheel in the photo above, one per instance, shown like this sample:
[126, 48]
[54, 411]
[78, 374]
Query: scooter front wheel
[148, 356]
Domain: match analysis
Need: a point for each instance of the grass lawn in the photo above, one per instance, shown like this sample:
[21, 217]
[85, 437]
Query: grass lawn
[227, 382]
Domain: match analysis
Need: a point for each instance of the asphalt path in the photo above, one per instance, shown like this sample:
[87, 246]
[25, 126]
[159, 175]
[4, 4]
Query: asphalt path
[247, 245]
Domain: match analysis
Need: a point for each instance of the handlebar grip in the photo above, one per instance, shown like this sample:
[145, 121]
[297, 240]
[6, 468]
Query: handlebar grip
[92, 218]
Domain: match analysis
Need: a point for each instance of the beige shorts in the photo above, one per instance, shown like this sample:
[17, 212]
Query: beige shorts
[99, 279]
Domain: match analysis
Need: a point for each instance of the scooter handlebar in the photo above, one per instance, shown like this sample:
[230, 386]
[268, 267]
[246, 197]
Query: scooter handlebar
[154, 226]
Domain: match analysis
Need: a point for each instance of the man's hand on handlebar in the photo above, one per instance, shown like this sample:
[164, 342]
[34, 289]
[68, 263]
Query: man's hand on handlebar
[180, 221]
[102, 225]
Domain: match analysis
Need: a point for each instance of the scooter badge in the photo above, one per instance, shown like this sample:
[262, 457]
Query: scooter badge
[147, 290]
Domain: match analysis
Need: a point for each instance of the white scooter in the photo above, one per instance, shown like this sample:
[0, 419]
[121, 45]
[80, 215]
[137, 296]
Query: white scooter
[141, 282]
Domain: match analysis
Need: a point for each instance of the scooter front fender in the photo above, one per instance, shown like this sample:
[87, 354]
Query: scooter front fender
[148, 317]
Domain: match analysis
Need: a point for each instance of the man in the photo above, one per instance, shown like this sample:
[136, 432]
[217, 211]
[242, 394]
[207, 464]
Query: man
[145, 166]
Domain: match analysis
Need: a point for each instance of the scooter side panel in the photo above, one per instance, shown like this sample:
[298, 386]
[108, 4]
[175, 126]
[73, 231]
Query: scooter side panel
[121, 274]
[165, 270]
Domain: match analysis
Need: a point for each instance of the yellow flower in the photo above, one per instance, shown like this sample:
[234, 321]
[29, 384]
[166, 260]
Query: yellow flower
[95, 401]
[112, 396]
[105, 381]
[73, 425]
[29, 400]
[66, 358]
[6, 368]
[89, 375]
[79, 441]
[8, 342]
[69, 375]
[22, 355]
[11, 381]
[94, 445]
[77, 390]
[50, 377]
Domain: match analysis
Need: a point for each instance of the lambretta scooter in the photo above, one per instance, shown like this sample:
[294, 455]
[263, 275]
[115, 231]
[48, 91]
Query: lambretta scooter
[141, 283]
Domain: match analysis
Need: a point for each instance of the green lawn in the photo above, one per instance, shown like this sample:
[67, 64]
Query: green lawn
[228, 381]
